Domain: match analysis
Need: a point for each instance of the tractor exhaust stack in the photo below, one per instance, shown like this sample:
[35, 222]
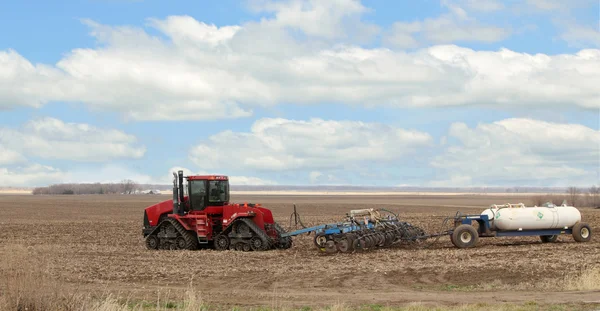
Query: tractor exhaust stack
[181, 211]
[175, 195]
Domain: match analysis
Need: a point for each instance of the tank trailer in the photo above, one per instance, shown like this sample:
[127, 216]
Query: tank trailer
[547, 221]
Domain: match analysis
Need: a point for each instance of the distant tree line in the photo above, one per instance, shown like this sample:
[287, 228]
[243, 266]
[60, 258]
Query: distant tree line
[574, 196]
[126, 186]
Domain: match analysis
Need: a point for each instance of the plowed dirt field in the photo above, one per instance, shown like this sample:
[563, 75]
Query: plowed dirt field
[94, 244]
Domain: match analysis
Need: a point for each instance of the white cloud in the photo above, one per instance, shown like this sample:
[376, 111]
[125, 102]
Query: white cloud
[454, 26]
[25, 84]
[51, 138]
[281, 144]
[484, 5]
[322, 19]
[108, 173]
[8, 156]
[521, 151]
[233, 180]
[559, 5]
[314, 176]
[35, 174]
[581, 36]
[29, 176]
[196, 71]
[250, 181]
[317, 177]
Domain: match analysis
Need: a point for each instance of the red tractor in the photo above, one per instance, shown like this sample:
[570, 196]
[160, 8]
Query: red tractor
[205, 218]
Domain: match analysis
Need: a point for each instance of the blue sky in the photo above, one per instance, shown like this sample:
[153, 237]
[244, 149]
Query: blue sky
[420, 93]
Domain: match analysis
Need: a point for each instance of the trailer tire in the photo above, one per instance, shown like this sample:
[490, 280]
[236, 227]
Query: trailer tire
[465, 236]
[452, 240]
[582, 232]
[549, 238]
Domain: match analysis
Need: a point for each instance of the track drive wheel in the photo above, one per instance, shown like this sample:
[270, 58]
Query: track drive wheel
[582, 232]
[465, 236]
[548, 238]
[180, 243]
[221, 242]
[257, 244]
[152, 242]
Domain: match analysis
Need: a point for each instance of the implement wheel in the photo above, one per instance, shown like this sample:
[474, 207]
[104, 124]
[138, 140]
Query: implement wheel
[330, 247]
[465, 236]
[320, 240]
[344, 245]
[582, 232]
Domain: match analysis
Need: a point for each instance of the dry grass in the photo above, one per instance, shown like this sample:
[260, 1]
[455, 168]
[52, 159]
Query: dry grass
[26, 286]
[588, 279]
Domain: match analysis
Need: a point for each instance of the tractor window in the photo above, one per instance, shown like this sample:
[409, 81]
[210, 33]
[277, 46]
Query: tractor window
[197, 194]
[218, 191]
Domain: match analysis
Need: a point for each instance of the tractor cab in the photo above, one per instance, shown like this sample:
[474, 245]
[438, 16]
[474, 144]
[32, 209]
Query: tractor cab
[206, 191]
[202, 192]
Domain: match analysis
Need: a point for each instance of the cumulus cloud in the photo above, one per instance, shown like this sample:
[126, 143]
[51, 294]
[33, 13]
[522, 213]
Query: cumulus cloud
[579, 36]
[51, 138]
[322, 19]
[107, 173]
[320, 178]
[233, 180]
[196, 71]
[8, 156]
[520, 152]
[557, 5]
[484, 5]
[454, 26]
[35, 174]
[30, 175]
[25, 84]
[282, 144]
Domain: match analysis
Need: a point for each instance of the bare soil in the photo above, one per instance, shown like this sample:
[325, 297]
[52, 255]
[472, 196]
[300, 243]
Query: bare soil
[94, 244]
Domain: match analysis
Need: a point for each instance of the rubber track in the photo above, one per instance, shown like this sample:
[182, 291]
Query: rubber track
[259, 232]
[191, 241]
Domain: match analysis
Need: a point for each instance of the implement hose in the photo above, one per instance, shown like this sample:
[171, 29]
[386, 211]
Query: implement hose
[297, 219]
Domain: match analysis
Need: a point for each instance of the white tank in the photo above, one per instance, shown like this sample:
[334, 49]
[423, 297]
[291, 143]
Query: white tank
[509, 217]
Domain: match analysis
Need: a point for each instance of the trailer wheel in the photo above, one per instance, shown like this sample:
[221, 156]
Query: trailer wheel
[549, 238]
[582, 232]
[452, 240]
[465, 236]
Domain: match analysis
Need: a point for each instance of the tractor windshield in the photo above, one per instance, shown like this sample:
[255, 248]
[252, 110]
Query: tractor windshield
[218, 191]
